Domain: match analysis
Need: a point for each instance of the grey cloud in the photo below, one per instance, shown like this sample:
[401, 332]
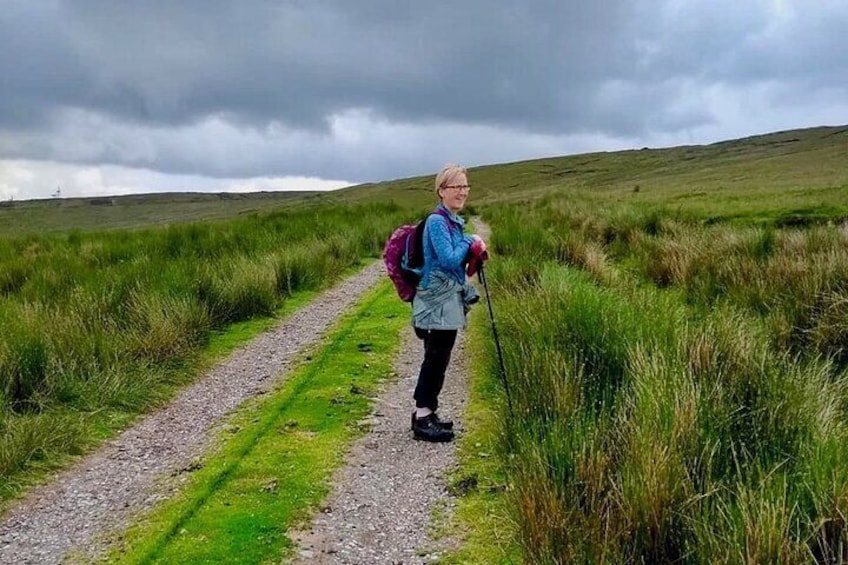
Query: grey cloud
[744, 42]
[221, 88]
[157, 62]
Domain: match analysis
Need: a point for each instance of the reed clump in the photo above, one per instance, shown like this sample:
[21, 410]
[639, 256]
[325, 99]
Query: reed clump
[692, 407]
[95, 322]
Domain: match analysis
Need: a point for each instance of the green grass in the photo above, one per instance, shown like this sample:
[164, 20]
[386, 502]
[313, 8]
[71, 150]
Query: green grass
[676, 397]
[138, 211]
[273, 463]
[84, 430]
[719, 269]
[97, 325]
[763, 176]
[483, 521]
[794, 176]
[663, 418]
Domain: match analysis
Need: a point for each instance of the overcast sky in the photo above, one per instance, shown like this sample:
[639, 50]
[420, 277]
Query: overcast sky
[100, 97]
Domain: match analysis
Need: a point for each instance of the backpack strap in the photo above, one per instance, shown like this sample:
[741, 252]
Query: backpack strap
[441, 212]
[419, 238]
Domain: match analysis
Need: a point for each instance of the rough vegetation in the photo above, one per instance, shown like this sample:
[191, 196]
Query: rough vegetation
[674, 324]
[97, 325]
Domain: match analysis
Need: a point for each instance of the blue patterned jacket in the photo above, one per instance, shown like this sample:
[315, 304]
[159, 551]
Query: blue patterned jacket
[445, 247]
[442, 298]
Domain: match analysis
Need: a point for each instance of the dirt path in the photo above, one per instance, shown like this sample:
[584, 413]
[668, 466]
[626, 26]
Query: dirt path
[383, 500]
[105, 489]
[381, 505]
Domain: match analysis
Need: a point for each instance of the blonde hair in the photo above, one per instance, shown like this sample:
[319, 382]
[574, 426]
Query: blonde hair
[447, 174]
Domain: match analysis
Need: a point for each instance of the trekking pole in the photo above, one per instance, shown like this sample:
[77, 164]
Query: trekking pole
[482, 276]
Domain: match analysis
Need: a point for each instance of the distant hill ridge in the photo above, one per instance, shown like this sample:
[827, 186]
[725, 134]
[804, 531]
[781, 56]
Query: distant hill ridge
[774, 164]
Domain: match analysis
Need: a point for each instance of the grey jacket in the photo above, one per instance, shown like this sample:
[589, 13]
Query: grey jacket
[443, 304]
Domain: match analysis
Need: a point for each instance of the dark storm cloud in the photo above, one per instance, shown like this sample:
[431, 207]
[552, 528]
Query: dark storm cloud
[530, 65]
[258, 86]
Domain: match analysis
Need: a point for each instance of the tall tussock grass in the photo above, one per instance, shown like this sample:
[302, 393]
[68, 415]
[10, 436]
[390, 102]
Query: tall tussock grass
[37, 440]
[690, 405]
[101, 320]
[796, 278]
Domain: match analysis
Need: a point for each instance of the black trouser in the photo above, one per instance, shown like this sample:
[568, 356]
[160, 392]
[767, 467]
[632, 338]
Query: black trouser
[437, 351]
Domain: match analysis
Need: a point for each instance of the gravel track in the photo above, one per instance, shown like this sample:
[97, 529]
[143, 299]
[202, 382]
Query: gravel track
[383, 498]
[111, 485]
[381, 507]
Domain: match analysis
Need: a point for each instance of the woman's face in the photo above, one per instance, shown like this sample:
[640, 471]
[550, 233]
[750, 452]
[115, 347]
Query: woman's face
[455, 193]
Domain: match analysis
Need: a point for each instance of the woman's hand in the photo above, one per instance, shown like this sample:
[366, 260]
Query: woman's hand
[477, 255]
[478, 248]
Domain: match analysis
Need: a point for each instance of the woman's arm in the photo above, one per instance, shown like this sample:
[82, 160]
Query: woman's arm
[448, 257]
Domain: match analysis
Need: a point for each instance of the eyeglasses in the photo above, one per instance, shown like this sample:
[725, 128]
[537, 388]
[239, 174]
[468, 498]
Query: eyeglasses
[458, 187]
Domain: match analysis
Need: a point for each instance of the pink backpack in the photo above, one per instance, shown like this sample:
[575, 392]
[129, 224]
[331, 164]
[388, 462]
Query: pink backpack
[404, 256]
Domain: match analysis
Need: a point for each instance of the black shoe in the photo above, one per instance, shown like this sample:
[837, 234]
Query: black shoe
[446, 424]
[428, 429]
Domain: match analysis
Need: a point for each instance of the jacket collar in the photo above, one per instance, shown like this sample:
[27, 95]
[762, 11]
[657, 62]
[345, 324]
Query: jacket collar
[454, 217]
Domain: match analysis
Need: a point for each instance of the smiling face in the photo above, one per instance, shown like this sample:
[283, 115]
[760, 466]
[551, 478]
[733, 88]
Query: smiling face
[455, 193]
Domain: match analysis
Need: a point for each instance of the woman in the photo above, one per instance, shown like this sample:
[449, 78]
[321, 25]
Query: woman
[442, 298]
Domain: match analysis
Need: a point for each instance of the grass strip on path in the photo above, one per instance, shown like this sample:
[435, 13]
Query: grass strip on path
[279, 452]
